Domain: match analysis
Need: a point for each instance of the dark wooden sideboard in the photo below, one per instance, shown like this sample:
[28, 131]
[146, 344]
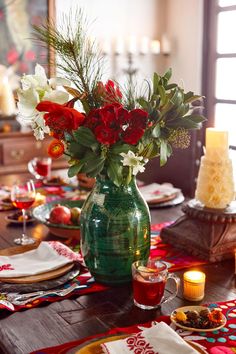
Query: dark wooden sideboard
[17, 149]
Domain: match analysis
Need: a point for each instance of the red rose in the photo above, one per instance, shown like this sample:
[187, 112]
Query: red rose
[106, 135]
[106, 122]
[136, 124]
[60, 118]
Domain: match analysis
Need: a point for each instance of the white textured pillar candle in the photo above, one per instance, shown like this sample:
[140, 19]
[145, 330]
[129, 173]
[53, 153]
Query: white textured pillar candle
[7, 102]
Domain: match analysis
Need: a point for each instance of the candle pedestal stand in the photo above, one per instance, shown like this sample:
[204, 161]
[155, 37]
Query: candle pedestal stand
[207, 233]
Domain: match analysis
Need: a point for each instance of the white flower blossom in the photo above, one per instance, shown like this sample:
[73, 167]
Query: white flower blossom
[37, 88]
[136, 162]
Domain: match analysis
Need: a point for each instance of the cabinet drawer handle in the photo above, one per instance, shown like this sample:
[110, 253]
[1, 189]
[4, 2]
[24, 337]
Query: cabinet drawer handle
[17, 154]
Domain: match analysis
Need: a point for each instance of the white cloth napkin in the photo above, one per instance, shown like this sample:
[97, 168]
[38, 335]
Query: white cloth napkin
[48, 256]
[154, 192]
[159, 339]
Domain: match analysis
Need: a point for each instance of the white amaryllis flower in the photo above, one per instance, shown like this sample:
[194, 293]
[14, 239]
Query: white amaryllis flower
[37, 88]
[136, 162]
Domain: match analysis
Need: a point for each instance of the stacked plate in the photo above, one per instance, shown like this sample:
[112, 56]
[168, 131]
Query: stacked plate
[37, 264]
[161, 195]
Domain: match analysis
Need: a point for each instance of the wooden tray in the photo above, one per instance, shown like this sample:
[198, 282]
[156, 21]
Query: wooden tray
[39, 277]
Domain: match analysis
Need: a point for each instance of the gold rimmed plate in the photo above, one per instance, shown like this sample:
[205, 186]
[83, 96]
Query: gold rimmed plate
[52, 274]
[94, 346]
[194, 329]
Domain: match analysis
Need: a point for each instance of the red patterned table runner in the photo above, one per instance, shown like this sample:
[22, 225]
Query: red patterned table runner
[175, 258]
[221, 341]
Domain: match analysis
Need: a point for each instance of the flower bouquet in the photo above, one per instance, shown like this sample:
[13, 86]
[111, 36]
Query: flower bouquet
[106, 132]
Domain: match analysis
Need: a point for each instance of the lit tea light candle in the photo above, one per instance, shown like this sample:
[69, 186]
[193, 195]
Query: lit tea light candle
[39, 199]
[194, 285]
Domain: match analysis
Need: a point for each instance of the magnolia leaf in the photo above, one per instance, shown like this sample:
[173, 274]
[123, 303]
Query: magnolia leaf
[168, 74]
[73, 170]
[190, 97]
[156, 132]
[92, 163]
[156, 79]
[163, 152]
[93, 168]
[184, 123]
[170, 86]
[162, 93]
[177, 98]
[76, 150]
[129, 176]
[143, 103]
[118, 148]
[155, 150]
[75, 93]
[85, 137]
[196, 118]
[114, 172]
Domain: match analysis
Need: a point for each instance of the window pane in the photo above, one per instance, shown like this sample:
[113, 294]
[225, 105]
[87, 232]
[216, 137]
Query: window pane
[224, 3]
[225, 119]
[226, 32]
[226, 78]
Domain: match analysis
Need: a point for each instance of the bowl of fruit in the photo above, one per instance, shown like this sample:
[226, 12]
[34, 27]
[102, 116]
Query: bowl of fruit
[61, 217]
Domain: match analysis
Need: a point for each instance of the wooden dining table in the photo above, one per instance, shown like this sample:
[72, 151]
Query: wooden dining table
[80, 316]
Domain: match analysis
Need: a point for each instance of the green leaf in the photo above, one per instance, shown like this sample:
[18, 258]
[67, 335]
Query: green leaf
[170, 86]
[196, 118]
[93, 162]
[184, 123]
[156, 79]
[143, 103]
[76, 150]
[162, 93]
[118, 148]
[168, 74]
[114, 172]
[85, 137]
[156, 132]
[164, 152]
[73, 170]
[190, 97]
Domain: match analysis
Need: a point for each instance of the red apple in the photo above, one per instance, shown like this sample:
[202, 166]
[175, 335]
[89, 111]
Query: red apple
[75, 215]
[60, 214]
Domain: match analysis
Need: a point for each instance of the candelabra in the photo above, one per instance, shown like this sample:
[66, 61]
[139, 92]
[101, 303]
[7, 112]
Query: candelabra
[130, 50]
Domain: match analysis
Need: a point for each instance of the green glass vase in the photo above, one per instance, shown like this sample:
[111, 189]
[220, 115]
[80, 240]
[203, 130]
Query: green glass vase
[115, 230]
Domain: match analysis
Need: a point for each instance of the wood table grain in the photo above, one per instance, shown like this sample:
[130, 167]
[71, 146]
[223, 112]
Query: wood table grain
[79, 317]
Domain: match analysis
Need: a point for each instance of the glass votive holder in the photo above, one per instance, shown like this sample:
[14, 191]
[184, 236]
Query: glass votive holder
[194, 285]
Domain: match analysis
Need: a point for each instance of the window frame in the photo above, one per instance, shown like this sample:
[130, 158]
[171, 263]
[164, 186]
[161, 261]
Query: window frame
[210, 56]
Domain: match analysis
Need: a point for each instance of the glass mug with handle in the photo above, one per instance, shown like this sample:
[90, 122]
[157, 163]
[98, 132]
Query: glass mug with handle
[149, 281]
[40, 167]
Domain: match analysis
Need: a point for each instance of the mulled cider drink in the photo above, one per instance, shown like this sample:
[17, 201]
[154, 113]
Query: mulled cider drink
[43, 167]
[40, 167]
[149, 280]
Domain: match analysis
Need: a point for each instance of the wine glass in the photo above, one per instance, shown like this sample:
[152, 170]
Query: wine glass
[23, 197]
[40, 167]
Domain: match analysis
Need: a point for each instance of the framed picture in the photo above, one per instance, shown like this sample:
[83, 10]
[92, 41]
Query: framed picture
[18, 46]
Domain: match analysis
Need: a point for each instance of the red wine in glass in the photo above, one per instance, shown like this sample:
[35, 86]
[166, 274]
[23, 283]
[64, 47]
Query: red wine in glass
[23, 197]
[23, 203]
